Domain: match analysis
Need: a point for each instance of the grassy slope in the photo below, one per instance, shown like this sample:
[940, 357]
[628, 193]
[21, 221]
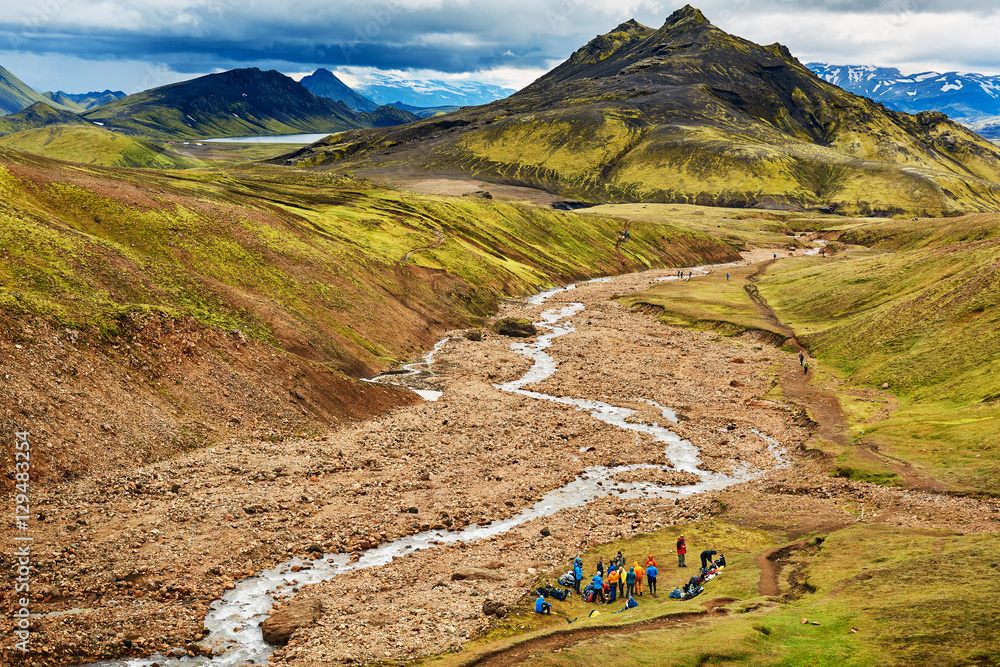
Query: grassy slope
[93, 145]
[16, 95]
[312, 263]
[922, 318]
[897, 586]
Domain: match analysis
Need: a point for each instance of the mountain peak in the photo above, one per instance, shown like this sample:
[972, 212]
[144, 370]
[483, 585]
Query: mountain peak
[685, 17]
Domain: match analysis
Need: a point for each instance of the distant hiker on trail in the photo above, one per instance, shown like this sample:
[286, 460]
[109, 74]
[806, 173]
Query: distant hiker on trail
[681, 550]
[706, 557]
[689, 275]
[541, 606]
[776, 255]
[805, 367]
[651, 573]
[801, 358]
[727, 277]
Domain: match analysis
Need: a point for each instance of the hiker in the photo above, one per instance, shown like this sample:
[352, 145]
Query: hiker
[613, 576]
[650, 561]
[639, 574]
[720, 561]
[681, 550]
[802, 358]
[578, 573]
[805, 367]
[727, 277]
[631, 604]
[706, 557]
[600, 566]
[630, 582]
[651, 573]
[776, 255]
[621, 579]
[693, 584]
[598, 588]
[618, 561]
[689, 275]
[541, 606]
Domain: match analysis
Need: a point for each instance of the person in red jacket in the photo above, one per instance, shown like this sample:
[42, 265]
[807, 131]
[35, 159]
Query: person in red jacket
[681, 550]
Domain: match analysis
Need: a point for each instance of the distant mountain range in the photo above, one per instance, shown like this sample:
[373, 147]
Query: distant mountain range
[688, 113]
[16, 95]
[969, 98]
[387, 88]
[84, 101]
[323, 83]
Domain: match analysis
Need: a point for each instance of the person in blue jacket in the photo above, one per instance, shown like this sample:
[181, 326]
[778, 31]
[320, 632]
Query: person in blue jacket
[651, 573]
[631, 604]
[599, 588]
[542, 607]
[630, 582]
[578, 573]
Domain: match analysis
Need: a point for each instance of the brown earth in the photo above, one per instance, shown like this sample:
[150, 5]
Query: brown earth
[137, 556]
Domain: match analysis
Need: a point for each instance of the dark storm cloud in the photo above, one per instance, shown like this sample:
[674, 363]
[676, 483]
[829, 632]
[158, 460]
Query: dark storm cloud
[456, 36]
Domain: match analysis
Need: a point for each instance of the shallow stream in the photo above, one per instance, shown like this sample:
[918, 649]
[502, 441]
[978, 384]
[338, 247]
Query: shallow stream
[233, 620]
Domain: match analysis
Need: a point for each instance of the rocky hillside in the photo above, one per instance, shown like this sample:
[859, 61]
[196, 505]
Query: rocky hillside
[142, 313]
[689, 113]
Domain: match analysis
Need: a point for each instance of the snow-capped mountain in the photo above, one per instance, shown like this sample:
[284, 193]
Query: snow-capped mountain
[389, 87]
[969, 98]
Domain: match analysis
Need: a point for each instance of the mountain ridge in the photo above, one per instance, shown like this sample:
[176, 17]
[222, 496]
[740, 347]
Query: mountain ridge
[690, 114]
[324, 83]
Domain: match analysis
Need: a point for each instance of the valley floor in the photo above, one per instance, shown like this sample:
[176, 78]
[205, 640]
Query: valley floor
[135, 561]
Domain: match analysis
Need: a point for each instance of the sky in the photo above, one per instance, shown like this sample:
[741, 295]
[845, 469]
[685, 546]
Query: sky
[82, 45]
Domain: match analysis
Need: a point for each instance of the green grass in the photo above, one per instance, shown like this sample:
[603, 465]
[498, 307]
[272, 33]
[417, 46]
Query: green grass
[921, 319]
[916, 597]
[313, 263]
[93, 145]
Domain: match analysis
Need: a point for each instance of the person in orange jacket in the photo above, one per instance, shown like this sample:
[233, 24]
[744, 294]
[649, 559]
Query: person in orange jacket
[640, 573]
[650, 561]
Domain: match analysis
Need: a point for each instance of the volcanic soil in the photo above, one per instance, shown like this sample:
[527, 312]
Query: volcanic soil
[135, 559]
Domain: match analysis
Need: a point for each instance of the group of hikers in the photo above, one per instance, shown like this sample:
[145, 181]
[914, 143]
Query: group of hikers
[618, 581]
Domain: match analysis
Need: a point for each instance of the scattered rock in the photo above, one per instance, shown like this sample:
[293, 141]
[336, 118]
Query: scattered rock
[475, 335]
[279, 626]
[545, 532]
[516, 328]
[494, 608]
[476, 574]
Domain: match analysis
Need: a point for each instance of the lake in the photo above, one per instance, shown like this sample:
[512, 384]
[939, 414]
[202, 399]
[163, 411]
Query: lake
[273, 139]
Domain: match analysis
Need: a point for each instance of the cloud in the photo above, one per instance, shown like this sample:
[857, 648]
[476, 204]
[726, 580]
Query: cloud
[458, 36]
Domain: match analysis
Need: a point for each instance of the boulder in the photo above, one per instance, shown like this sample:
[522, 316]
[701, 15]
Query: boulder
[279, 626]
[476, 574]
[517, 328]
[494, 608]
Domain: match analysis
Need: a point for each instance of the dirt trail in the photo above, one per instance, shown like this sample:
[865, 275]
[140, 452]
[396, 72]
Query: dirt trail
[823, 406]
[505, 657]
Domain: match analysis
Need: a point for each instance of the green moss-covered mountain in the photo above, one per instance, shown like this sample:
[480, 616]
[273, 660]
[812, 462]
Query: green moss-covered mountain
[16, 94]
[688, 113]
[39, 114]
[88, 144]
[234, 103]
